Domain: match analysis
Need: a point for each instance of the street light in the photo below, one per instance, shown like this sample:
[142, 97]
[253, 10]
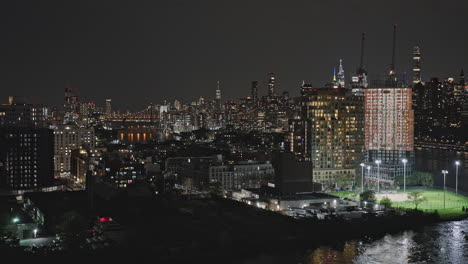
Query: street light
[444, 172]
[368, 175]
[378, 174]
[15, 220]
[456, 176]
[362, 176]
[404, 174]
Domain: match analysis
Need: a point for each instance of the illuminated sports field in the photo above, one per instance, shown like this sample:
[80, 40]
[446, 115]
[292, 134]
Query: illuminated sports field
[434, 201]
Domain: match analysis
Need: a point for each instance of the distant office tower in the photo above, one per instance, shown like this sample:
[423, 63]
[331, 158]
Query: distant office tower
[461, 80]
[177, 105]
[254, 91]
[389, 132]
[66, 139]
[334, 83]
[341, 75]
[336, 133]
[305, 88]
[271, 84]
[108, 107]
[422, 110]
[392, 72]
[416, 65]
[71, 106]
[218, 96]
[26, 148]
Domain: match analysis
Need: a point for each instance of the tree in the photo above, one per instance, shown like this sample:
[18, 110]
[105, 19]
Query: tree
[368, 196]
[216, 189]
[416, 197]
[419, 178]
[342, 181]
[386, 202]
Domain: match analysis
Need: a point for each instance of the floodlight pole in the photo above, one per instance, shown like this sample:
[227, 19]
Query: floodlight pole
[456, 177]
[444, 172]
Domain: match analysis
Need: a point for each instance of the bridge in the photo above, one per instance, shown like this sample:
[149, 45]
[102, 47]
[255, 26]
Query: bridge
[150, 114]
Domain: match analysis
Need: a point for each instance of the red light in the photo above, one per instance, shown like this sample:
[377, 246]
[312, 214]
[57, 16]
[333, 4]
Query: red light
[105, 219]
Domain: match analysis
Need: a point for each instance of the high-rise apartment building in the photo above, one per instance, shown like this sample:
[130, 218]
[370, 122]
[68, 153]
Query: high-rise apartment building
[66, 139]
[389, 133]
[298, 138]
[26, 147]
[336, 133]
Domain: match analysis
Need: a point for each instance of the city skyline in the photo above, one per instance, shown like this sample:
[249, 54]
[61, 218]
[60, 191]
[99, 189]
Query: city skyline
[107, 56]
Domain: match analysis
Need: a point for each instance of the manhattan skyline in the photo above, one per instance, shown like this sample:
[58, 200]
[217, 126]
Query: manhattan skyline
[179, 50]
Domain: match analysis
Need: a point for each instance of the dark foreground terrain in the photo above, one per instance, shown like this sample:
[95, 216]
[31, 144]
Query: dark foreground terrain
[175, 229]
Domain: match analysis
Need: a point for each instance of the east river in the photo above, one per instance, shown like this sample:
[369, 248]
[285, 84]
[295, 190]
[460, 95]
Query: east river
[445, 242]
[440, 243]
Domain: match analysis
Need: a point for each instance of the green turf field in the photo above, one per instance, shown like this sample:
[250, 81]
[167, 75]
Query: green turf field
[434, 201]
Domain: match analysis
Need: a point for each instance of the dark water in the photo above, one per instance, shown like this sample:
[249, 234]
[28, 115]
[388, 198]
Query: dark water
[439, 243]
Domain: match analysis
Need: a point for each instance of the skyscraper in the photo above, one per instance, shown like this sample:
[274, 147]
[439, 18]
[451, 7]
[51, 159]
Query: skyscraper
[336, 133]
[66, 139]
[254, 91]
[218, 96]
[108, 107]
[271, 84]
[26, 148]
[341, 75]
[461, 80]
[71, 106]
[392, 72]
[416, 65]
[389, 132]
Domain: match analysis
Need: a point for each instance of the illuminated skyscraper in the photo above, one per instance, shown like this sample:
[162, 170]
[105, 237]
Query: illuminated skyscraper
[71, 106]
[341, 75]
[271, 84]
[392, 72]
[416, 65]
[218, 96]
[66, 139]
[336, 133]
[108, 107]
[389, 132]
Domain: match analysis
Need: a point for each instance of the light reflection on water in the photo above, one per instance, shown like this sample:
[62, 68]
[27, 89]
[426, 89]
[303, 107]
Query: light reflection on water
[440, 243]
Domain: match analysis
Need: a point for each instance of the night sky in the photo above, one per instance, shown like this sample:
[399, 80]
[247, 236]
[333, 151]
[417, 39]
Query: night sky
[156, 50]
